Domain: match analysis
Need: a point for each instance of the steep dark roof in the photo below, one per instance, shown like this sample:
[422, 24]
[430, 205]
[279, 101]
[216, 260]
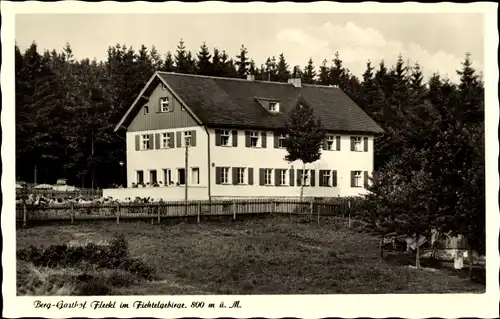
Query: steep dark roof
[229, 102]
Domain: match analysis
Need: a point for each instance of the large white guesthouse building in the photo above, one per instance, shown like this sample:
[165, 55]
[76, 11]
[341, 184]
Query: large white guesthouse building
[234, 130]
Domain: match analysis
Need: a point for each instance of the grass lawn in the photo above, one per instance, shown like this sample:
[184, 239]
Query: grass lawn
[274, 255]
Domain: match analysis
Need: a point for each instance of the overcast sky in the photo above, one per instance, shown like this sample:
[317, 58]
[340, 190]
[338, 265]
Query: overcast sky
[437, 41]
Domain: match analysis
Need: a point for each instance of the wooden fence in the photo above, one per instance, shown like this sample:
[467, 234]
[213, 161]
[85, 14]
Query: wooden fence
[193, 209]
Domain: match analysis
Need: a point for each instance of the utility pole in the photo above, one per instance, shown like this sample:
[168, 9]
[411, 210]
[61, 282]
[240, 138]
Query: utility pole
[93, 179]
[186, 140]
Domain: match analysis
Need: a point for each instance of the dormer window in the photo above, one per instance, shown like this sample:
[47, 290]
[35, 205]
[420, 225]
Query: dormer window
[274, 107]
[164, 104]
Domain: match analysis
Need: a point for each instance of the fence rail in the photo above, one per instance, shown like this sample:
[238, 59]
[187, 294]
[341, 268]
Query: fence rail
[196, 209]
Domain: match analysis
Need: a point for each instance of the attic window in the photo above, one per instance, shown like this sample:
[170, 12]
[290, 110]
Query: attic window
[163, 87]
[164, 104]
[274, 107]
[146, 109]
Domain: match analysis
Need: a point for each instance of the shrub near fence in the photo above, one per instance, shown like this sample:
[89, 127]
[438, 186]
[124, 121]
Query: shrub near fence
[60, 194]
[194, 209]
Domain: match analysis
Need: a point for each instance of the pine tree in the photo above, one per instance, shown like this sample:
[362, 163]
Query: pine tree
[309, 73]
[168, 64]
[242, 62]
[204, 66]
[182, 63]
[216, 63]
[336, 76]
[282, 69]
[324, 76]
[156, 59]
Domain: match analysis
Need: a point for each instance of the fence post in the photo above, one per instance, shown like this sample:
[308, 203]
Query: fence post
[159, 216]
[273, 210]
[72, 212]
[117, 213]
[234, 210]
[349, 213]
[318, 216]
[312, 206]
[25, 213]
[199, 212]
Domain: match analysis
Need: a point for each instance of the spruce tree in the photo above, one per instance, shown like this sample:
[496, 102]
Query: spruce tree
[282, 69]
[204, 66]
[242, 62]
[309, 73]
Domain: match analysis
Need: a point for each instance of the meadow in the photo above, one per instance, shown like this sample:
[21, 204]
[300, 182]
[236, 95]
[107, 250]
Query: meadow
[273, 255]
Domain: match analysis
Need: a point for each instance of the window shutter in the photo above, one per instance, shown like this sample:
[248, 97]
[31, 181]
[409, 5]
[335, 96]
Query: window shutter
[352, 179]
[313, 177]
[159, 105]
[235, 175]
[277, 175]
[334, 178]
[157, 140]
[151, 142]
[250, 176]
[366, 179]
[365, 140]
[179, 140]
[171, 142]
[276, 140]
[321, 178]
[292, 180]
[193, 138]
[218, 173]
[352, 143]
[217, 138]
[235, 138]
[299, 177]
[325, 144]
[171, 104]
[247, 138]
[264, 140]
[337, 138]
[137, 142]
[261, 176]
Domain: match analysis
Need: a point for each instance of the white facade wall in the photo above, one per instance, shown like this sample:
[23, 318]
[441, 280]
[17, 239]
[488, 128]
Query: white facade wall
[170, 158]
[343, 161]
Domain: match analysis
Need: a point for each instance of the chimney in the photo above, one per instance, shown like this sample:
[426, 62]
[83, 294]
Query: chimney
[250, 77]
[295, 82]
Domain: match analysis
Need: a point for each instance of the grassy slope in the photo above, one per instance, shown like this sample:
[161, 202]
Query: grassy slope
[266, 256]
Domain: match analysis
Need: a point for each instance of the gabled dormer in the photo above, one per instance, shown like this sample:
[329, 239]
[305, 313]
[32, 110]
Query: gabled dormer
[271, 105]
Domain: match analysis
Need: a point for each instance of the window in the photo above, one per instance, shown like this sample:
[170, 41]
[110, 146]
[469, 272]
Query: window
[283, 177]
[195, 175]
[357, 144]
[181, 176]
[224, 138]
[267, 176]
[163, 87]
[146, 109]
[305, 177]
[326, 178]
[140, 177]
[224, 178]
[330, 143]
[165, 140]
[152, 176]
[254, 139]
[145, 141]
[273, 107]
[241, 175]
[187, 138]
[357, 179]
[183, 108]
[281, 140]
[164, 104]
[167, 176]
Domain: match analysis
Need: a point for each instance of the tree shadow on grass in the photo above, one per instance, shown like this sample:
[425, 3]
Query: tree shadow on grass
[478, 274]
